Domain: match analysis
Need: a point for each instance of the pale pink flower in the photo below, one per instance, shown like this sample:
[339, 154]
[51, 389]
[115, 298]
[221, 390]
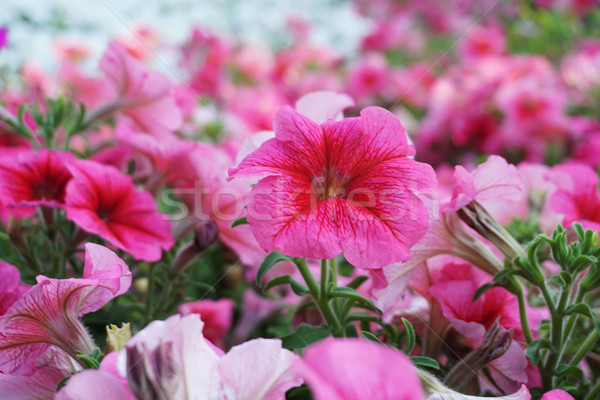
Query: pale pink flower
[455, 289]
[40, 385]
[577, 197]
[158, 162]
[145, 98]
[581, 70]
[172, 359]
[495, 184]
[354, 369]
[11, 289]
[346, 186]
[48, 314]
[71, 51]
[447, 394]
[217, 316]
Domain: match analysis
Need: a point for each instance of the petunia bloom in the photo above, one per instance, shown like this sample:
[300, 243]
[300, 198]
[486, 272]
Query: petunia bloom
[11, 289]
[171, 359]
[3, 37]
[103, 201]
[557, 394]
[342, 186]
[354, 369]
[455, 289]
[34, 178]
[48, 314]
[217, 316]
[144, 97]
[577, 197]
[494, 184]
[521, 394]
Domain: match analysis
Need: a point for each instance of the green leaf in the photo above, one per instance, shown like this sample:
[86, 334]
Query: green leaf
[584, 309]
[298, 288]
[505, 273]
[566, 369]
[304, 335]
[356, 282]
[425, 362]
[558, 280]
[271, 259]
[578, 228]
[91, 361]
[299, 393]
[240, 221]
[361, 317]
[484, 288]
[280, 280]
[352, 294]
[369, 336]
[410, 336]
[533, 350]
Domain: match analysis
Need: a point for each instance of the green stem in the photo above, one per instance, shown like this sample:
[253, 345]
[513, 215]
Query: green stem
[314, 291]
[557, 317]
[523, 315]
[584, 348]
[593, 395]
[333, 265]
[544, 370]
[569, 327]
[548, 299]
[149, 315]
[323, 293]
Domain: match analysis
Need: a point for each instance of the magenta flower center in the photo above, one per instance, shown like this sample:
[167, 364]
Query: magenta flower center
[103, 212]
[330, 184]
[48, 191]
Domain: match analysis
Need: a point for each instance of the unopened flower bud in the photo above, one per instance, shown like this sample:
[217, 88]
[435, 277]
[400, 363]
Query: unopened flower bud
[204, 235]
[152, 373]
[116, 337]
[477, 217]
[495, 343]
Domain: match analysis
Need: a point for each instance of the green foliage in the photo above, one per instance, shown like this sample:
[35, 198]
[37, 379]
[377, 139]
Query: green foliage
[304, 336]
[91, 361]
[271, 259]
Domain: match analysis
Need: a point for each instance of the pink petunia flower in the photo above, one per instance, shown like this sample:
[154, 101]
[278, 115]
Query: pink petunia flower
[171, 359]
[158, 161]
[494, 184]
[217, 316]
[342, 186]
[455, 289]
[103, 201]
[557, 394]
[11, 289]
[144, 97]
[447, 394]
[483, 41]
[353, 369]
[34, 179]
[577, 197]
[3, 37]
[47, 316]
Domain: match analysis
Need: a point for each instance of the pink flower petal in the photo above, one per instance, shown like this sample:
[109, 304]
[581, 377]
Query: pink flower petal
[353, 369]
[324, 105]
[103, 201]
